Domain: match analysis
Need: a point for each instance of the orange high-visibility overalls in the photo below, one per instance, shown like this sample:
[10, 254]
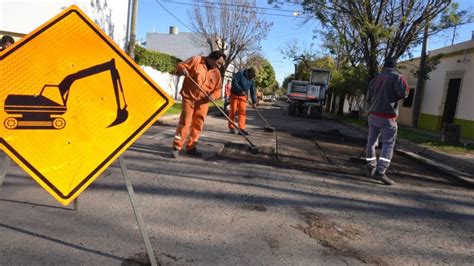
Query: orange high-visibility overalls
[194, 103]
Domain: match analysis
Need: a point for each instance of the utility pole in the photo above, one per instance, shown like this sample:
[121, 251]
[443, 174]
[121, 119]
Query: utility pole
[420, 84]
[296, 71]
[133, 25]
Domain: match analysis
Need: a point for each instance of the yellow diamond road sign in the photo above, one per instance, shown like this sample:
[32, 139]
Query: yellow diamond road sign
[71, 102]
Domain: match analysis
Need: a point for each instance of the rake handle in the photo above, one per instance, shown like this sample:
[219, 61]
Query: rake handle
[262, 117]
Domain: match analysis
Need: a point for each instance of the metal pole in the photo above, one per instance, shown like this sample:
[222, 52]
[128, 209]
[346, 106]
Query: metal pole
[133, 24]
[420, 84]
[76, 204]
[127, 34]
[136, 211]
[3, 170]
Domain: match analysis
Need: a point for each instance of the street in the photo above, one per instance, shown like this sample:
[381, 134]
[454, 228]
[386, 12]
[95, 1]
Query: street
[301, 200]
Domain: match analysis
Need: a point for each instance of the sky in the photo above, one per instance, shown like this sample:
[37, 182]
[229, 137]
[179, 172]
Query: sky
[152, 17]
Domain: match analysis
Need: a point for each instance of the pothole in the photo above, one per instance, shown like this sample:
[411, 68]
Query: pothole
[243, 152]
[336, 237]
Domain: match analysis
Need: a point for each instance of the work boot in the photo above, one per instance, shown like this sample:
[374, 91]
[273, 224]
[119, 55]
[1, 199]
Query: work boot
[175, 153]
[194, 152]
[370, 171]
[243, 132]
[231, 131]
[383, 178]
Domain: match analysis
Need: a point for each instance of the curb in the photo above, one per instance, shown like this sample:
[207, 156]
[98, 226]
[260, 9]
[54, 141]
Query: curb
[453, 173]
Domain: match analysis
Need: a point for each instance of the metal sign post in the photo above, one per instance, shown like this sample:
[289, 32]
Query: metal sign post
[4, 167]
[136, 211]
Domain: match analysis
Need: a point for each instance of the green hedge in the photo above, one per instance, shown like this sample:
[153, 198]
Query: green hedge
[159, 61]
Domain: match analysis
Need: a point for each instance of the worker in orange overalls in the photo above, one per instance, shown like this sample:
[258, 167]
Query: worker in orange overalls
[243, 84]
[205, 71]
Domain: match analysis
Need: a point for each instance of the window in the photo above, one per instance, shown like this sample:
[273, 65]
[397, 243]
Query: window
[408, 102]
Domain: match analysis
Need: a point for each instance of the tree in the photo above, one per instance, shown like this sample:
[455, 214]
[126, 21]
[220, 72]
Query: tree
[231, 26]
[287, 80]
[374, 30]
[452, 18]
[302, 56]
[350, 83]
[265, 78]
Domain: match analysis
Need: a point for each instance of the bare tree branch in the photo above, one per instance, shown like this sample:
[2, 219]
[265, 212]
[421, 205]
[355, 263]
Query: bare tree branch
[231, 26]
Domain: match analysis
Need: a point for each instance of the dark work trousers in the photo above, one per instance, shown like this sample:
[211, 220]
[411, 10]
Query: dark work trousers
[386, 130]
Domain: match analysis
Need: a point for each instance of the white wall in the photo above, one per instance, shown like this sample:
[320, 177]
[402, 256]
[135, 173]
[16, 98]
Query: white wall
[171, 84]
[434, 95]
[23, 16]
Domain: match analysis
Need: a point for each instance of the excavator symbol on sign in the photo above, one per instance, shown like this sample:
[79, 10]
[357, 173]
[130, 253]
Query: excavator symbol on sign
[40, 112]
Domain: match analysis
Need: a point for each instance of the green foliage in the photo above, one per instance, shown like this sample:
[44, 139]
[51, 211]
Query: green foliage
[159, 61]
[287, 80]
[350, 80]
[304, 67]
[265, 74]
[369, 31]
[432, 63]
[175, 109]
[452, 17]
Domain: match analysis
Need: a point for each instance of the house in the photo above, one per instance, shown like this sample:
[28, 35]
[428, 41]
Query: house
[181, 45]
[448, 95]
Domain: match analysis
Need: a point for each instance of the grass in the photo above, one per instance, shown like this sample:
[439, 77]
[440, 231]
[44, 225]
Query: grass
[417, 137]
[176, 108]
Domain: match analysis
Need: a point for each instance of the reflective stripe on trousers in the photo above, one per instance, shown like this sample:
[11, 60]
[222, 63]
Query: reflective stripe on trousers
[386, 130]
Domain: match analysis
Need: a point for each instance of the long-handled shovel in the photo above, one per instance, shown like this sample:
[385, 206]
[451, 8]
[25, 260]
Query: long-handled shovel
[253, 148]
[268, 127]
[361, 157]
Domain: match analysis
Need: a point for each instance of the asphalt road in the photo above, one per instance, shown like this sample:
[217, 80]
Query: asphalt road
[300, 201]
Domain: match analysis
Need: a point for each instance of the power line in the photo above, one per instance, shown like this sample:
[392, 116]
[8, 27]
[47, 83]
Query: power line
[249, 6]
[216, 5]
[171, 14]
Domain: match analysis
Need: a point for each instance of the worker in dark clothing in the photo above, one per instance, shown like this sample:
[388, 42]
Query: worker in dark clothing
[243, 84]
[385, 90]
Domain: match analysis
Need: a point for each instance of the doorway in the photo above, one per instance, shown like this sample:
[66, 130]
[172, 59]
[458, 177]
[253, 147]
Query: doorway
[451, 103]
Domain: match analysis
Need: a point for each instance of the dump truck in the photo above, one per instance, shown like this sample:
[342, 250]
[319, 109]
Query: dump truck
[306, 98]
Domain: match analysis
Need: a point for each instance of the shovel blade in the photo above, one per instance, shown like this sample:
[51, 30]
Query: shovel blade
[253, 149]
